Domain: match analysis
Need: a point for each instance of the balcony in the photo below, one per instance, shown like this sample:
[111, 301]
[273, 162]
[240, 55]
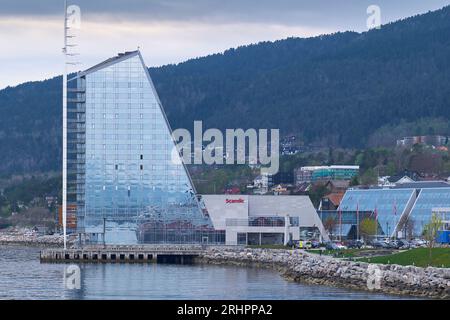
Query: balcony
[78, 161]
[76, 100]
[79, 109]
[79, 118]
[76, 90]
[77, 150]
[79, 128]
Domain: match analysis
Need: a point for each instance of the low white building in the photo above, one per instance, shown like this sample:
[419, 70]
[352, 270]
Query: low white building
[258, 219]
[262, 183]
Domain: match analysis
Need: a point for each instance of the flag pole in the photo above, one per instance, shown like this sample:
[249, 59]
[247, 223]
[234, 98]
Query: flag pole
[395, 213]
[376, 222]
[357, 220]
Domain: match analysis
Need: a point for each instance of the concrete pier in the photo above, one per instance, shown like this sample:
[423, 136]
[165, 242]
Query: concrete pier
[123, 254]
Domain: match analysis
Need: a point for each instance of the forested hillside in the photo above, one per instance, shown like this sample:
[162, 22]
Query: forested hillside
[346, 89]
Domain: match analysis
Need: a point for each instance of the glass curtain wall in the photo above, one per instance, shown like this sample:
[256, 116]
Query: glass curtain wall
[129, 189]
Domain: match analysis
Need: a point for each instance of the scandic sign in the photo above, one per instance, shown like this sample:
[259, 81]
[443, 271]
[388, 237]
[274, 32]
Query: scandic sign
[234, 200]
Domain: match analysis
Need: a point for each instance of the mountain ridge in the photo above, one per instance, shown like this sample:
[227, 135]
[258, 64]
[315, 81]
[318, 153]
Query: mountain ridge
[334, 90]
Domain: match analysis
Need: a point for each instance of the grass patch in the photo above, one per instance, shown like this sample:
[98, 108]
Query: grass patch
[419, 257]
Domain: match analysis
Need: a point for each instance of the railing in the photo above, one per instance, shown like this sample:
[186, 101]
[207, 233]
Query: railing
[76, 161]
[76, 90]
[81, 99]
[77, 110]
[144, 248]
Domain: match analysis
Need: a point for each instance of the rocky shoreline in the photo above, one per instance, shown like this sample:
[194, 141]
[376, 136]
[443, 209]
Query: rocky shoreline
[31, 239]
[304, 267]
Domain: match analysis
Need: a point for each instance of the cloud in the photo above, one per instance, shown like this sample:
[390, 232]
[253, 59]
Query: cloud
[285, 12]
[170, 31]
[32, 47]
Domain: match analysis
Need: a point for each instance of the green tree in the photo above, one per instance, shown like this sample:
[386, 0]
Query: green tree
[430, 232]
[317, 192]
[368, 228]
[354, 181]
[391, 168]
[369, 177]
[330, 224]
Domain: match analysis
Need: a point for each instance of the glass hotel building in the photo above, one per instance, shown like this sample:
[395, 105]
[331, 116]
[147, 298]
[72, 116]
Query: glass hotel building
[123, 186]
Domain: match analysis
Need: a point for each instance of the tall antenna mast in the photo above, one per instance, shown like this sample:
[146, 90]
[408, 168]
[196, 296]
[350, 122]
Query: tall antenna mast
[74, 15]
[64, 155]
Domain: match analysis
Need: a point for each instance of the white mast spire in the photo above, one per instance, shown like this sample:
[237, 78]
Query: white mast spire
[64, 155]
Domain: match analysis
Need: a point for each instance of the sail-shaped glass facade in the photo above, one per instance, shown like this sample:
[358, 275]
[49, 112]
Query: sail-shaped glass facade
[427, 201]
[122, 180]
[389, 205]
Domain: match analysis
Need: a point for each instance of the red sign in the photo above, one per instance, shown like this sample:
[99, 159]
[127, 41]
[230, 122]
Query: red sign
[240, 200]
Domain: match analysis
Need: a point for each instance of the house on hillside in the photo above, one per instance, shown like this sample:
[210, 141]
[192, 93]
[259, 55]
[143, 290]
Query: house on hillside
[281, 189]
[331, 201]
[302, 188]
[405, 176]
[337, 186]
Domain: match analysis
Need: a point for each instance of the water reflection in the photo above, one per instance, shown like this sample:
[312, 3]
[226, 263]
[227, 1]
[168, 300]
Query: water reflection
[23, 277]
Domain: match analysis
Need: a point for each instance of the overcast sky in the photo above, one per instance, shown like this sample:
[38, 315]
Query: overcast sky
[170, 31]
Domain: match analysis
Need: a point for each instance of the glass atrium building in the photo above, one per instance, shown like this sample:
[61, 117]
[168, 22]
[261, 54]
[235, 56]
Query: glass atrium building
[389, 205]
[428, 200]
[126, 185]
[398, 207]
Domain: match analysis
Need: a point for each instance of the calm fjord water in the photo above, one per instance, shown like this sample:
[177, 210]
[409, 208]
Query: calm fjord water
[22, 276]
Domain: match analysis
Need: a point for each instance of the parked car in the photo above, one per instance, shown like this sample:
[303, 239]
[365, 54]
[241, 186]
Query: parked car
[419, 243]
[379, 244]
[341, 246]
[315, 244]
[331, 246]
[404, 244]
[355, 244]
[394, 244]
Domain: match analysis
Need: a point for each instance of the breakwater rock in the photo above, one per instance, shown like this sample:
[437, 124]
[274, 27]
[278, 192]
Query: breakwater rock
[31, 240]
[302, 266]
